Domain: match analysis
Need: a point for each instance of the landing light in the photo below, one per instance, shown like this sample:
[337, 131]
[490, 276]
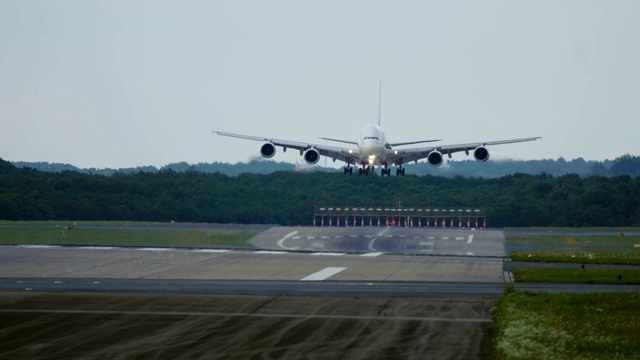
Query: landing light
[371, 157]
[350, 151]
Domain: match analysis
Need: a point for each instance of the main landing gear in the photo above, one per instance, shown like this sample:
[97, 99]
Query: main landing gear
[365, 170]
[387, 171]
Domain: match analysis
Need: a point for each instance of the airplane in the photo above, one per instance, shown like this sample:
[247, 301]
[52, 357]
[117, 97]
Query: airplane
[372, 149]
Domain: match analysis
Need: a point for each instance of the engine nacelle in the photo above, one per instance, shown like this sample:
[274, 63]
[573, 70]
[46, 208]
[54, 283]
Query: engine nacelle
[267, 150]
[481, 154]
[311, 156]
[435, 158]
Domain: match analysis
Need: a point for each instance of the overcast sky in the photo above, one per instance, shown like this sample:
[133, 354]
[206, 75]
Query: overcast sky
[144, 82]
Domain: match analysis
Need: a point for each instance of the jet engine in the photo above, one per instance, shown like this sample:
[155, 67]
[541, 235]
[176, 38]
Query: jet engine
[481, 154]
[435, 158]
[311, 156]
[267, 150]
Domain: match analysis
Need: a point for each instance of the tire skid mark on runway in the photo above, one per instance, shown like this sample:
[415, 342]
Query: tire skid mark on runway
[258, 315]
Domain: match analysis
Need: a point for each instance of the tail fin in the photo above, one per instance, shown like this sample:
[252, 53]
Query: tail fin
[380, 104]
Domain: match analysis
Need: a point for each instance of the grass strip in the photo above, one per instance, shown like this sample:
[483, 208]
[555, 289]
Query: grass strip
[122, 237]
[578, 276]
[566, 326]
[574, 241]
[589, 257]
[599, 249]
[574, 229]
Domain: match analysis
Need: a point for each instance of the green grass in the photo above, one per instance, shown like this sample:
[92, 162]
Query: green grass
[574, 241]
[577, 276]
[65, 223]
[574, 229]
[602, 249]
[566, 326]
[589, 257]
[117, 237]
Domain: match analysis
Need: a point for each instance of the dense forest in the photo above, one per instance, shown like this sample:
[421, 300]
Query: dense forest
[623, 165]
[287, 197]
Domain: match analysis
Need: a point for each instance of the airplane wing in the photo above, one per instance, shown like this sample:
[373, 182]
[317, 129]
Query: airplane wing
[414, 142]
[341, 141]
[349, 156]
[402, 156]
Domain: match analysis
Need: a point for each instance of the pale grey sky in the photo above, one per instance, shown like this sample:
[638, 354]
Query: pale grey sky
[144, 82]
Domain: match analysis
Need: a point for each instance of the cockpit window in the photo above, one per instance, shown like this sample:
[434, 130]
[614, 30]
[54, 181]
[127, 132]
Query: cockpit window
[370, 138]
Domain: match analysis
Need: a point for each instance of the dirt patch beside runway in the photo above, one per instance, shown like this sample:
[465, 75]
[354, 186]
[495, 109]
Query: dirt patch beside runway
[126, 326]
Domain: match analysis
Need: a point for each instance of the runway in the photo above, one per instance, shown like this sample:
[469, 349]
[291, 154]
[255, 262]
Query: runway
[291, 288]
[211, 264]
[394, 240]
[324, 293]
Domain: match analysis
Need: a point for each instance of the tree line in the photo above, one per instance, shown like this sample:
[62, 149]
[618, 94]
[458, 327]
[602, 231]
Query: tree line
[287, 197]
[622, 165]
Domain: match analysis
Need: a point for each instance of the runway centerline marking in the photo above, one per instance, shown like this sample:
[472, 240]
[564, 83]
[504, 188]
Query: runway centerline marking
[470, 239]
[281, 241]
[323, 274]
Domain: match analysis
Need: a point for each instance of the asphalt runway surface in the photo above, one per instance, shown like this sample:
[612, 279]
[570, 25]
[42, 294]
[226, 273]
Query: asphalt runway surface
[324, 293]
[394, 240]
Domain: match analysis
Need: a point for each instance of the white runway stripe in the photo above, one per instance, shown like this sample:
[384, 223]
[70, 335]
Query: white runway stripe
[327, 254]
[270, 252]
[374, 254]
[470, 239]
[323, 274]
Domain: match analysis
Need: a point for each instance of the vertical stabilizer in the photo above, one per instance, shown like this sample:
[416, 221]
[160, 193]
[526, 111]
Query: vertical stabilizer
[380, 103]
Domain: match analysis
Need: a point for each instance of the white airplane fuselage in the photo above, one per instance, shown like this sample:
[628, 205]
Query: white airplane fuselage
[372, 146]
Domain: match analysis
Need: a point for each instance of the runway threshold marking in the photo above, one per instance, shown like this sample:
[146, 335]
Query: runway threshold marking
[323, 274]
